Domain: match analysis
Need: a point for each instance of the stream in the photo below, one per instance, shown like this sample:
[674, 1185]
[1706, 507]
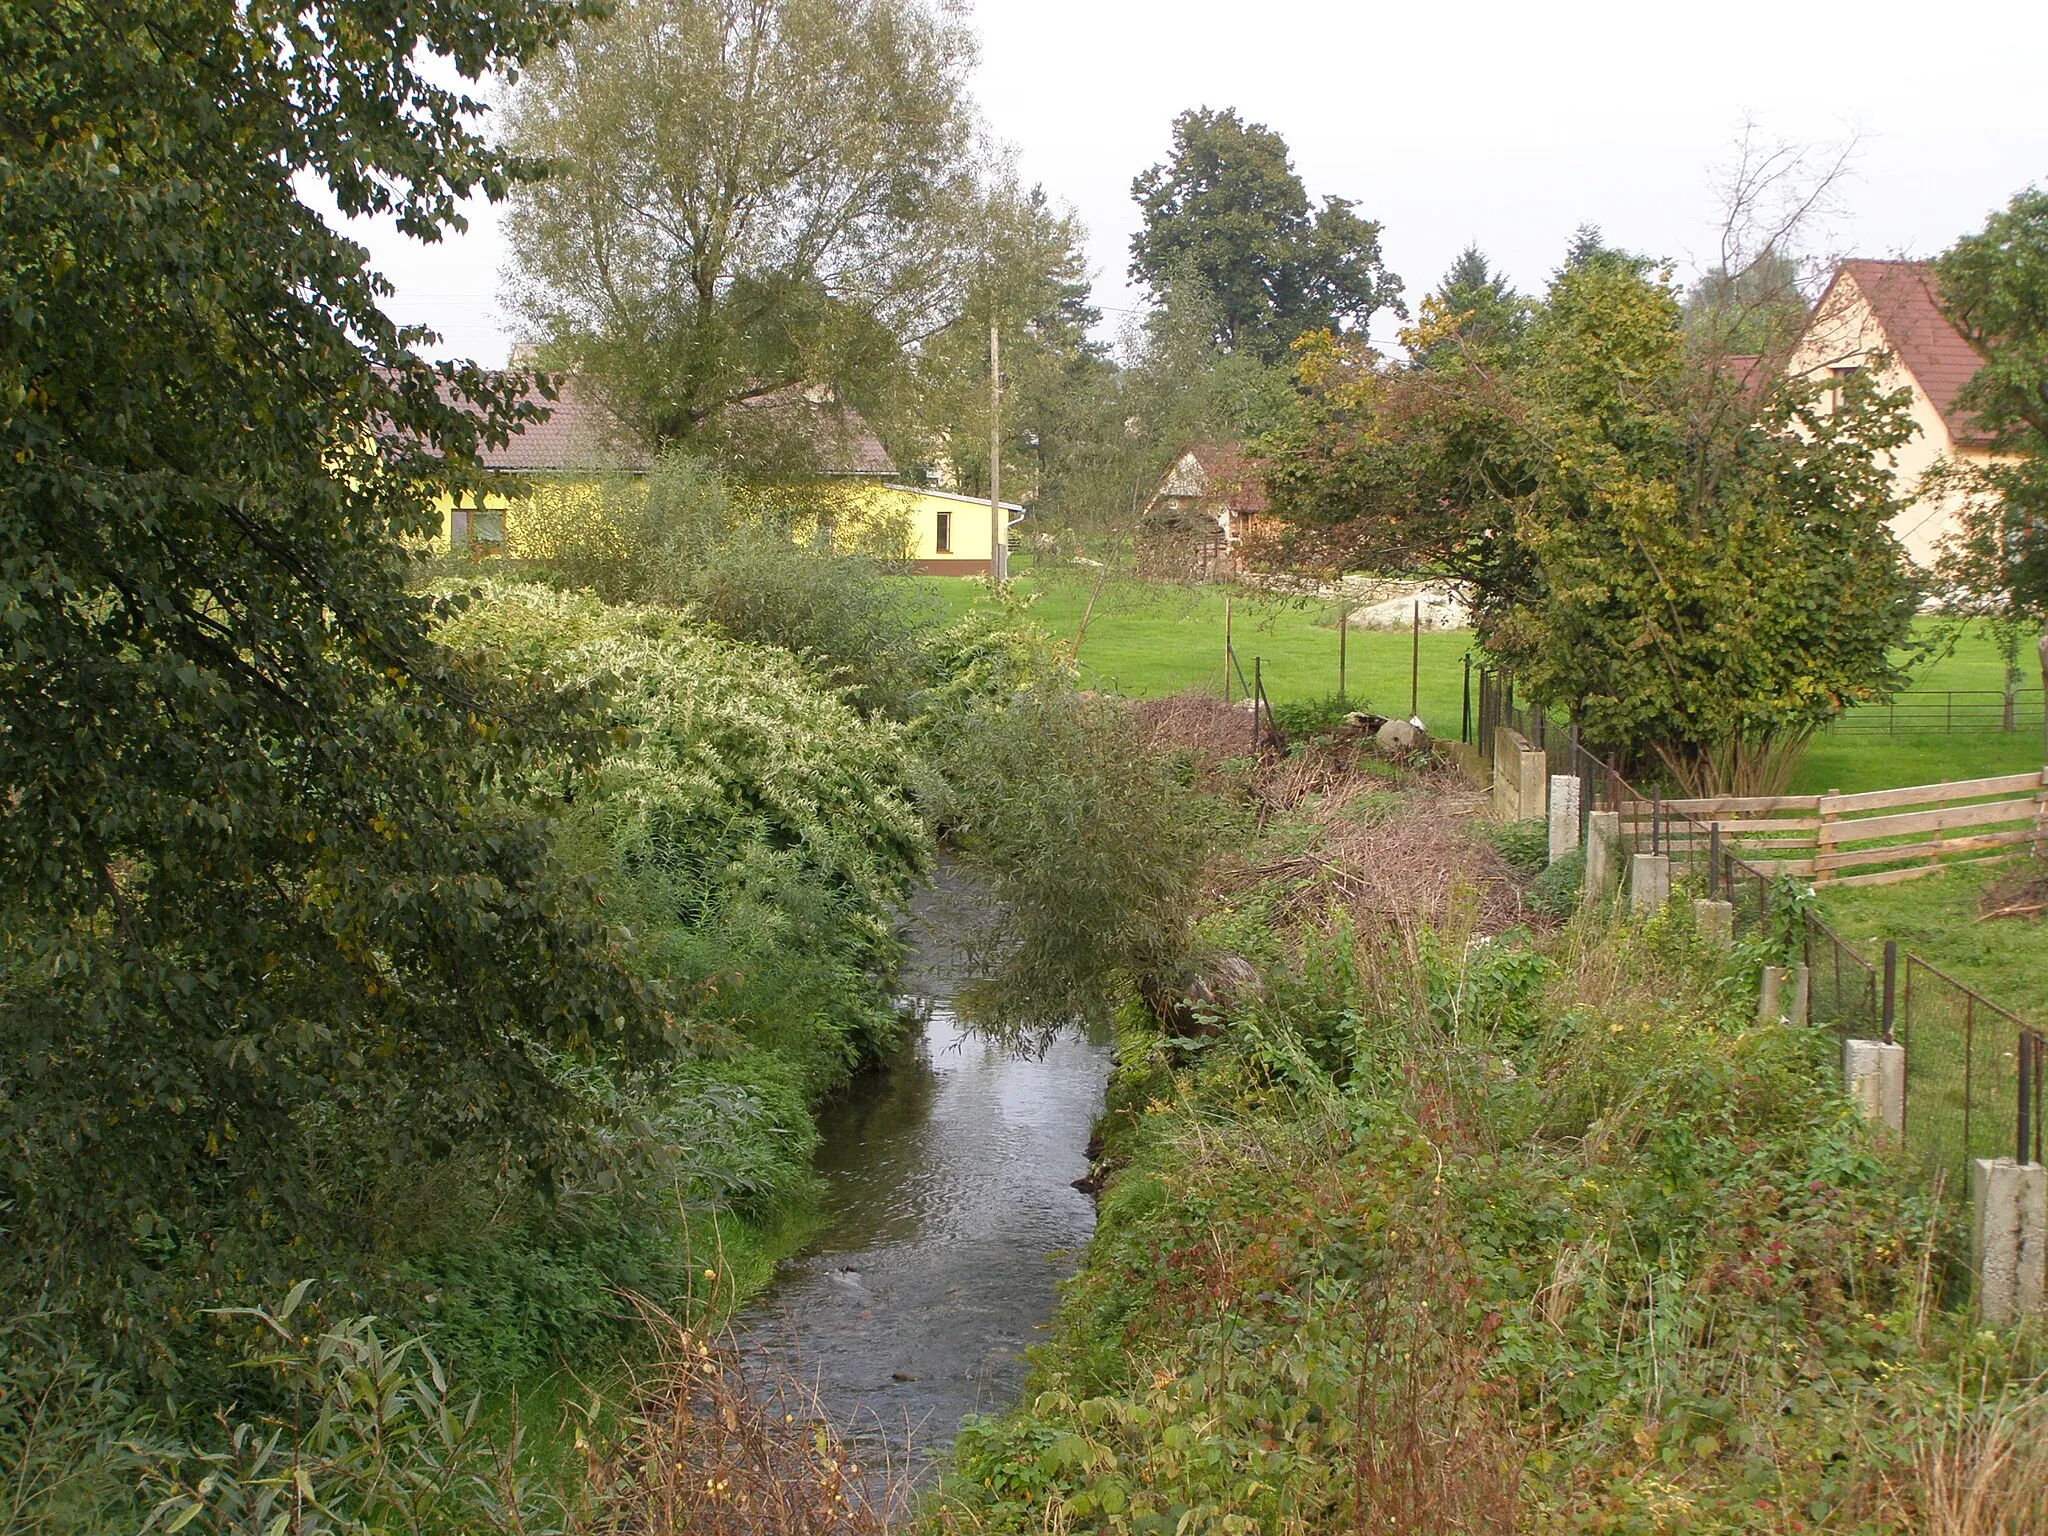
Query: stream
[950, 1218]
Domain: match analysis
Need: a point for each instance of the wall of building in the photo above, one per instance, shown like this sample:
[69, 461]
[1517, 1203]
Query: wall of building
[890, 522]
[1842, 333]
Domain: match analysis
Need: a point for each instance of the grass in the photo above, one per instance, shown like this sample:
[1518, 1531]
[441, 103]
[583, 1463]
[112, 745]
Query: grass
[1146, 640]
[2005, 959]
[1537, 1234]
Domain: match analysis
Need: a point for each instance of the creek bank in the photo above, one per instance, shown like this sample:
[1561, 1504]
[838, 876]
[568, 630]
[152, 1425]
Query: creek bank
[1542, 1233]
[951, 1210]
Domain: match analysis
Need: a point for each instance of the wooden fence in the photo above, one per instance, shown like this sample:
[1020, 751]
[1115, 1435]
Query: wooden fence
[1877, 838]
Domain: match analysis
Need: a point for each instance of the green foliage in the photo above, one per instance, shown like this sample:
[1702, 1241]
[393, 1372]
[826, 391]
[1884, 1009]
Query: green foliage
[752, 829]
[254, 868]
[367, 1439]
[1647, 1273]
[1756, 310]
[746, 198]
[1087, 842]
[1524, 844]
[1699, 565]
[1995, 288]
[806, 567]
[1312, 717]
[63, 1466]
[1556, 889]
[1474, 314]
[1228, 216]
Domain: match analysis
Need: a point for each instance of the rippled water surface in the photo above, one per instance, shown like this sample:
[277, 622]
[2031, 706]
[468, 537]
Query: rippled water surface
[951, 1217]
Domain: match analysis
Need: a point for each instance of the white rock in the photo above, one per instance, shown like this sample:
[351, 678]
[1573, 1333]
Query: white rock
[1441, 609]
[1399, 736]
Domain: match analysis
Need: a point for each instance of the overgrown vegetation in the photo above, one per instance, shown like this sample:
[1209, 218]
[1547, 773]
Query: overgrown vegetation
[1453, 1229]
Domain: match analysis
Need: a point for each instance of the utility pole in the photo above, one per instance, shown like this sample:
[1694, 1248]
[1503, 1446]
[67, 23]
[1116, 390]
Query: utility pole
[998, 567]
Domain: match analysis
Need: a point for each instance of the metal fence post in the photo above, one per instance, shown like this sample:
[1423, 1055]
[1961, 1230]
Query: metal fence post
[1891, 979]
[1258, 693]
[1713, 860]
[2026, 1137]
[1465, 726]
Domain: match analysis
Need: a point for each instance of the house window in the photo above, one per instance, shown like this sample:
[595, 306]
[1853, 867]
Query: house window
[1838, 379]
[945, 539]
[487, 525]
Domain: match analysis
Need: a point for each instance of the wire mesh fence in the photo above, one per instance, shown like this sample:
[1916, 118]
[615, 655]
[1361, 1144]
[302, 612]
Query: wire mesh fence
[1975, 1070]
[1965, 1092]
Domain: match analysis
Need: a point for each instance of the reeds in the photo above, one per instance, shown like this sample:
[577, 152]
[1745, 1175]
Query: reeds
[715, 1448]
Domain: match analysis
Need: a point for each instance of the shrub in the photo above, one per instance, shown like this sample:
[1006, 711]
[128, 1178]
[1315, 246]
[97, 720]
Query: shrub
[1524, 844]
[1089, 843]
[803, 567]
[1555, 890]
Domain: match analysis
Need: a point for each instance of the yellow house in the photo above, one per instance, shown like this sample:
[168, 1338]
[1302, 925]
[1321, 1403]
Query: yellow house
[1888, 314]
[568, 457]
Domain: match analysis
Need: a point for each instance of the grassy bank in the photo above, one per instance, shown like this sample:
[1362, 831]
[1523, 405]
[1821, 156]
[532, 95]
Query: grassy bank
[1453, 1221]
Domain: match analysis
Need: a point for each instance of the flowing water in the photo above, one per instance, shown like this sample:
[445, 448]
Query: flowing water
[950, 1218]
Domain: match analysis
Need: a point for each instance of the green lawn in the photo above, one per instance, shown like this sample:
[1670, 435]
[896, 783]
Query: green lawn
[1146, 639]
[1956, 1055]
[2006, 959]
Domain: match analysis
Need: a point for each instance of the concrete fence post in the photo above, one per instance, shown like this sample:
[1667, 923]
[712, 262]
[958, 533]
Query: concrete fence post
[1603, 852]
[2009, 1239]
[1534, 782]
[1564, 814]
[1714, 921]
[1876, 1077]
[1770, 998]
[1649, 882]
[1802, 990]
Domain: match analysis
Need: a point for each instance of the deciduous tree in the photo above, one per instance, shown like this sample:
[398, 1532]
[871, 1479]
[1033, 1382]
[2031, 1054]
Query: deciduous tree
[748, 195]
[1229, 216]
[1995, 287]
[267, 923]
[1696, 562]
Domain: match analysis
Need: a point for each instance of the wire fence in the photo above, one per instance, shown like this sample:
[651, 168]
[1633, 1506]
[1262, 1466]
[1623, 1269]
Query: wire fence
[1974, 1069]
[1265, 730]
[1967, 1095]
[1930, 711]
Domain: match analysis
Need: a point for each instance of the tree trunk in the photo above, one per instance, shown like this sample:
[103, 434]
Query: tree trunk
[2044, 694]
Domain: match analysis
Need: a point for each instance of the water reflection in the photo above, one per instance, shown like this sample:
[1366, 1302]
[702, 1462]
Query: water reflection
[950, 1219]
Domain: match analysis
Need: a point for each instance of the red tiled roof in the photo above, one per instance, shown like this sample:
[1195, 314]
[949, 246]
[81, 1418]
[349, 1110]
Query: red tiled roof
[1907, 304]
[1232, 474]
[582, 434]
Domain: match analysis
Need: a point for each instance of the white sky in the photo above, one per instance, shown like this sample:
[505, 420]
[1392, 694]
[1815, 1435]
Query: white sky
[1509, 124]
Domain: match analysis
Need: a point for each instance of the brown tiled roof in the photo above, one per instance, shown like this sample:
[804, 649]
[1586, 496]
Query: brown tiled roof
[1232, 474]
[1907, 304]
[582, 434]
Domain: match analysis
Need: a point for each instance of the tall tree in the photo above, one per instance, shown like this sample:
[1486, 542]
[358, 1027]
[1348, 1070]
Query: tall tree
[266, 924]
[749, 194]
[1995, 286]
[1699, 566]
[1474, 309]
[1755, 309]
[1228, 215]
[1029, 276]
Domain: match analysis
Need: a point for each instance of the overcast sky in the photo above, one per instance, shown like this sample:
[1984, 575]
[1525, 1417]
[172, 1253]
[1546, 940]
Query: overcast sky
[1508, 124]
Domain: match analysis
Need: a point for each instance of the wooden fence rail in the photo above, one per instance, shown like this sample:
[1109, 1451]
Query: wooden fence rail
[1888, 834]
